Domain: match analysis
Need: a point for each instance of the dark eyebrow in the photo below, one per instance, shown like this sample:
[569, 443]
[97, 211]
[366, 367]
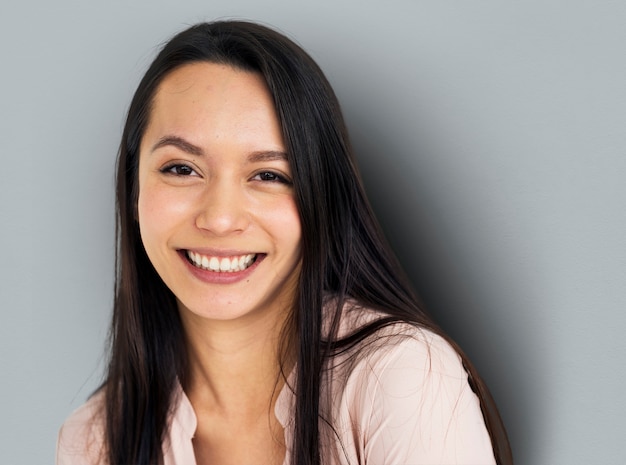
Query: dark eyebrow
[179, 143]
[268, 155]
[188, 147]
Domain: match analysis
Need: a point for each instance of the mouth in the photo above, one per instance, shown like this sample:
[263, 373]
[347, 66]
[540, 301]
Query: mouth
[221, 264]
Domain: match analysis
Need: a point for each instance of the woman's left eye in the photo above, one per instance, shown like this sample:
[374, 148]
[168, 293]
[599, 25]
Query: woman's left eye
[270, 176]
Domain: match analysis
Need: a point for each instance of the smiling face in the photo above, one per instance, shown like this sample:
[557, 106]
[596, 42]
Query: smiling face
[216, 206]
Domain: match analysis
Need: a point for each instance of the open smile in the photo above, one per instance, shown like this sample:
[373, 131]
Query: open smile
[221, 264]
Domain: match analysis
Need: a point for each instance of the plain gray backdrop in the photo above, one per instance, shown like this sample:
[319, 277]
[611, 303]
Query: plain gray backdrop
[492, 139]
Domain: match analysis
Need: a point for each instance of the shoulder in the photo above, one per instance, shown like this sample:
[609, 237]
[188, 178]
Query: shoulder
[81, 438]
[400, 344]
[407, 399]
[403, 358]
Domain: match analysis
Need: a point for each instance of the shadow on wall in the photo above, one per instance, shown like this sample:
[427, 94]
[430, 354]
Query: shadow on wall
[456, 289]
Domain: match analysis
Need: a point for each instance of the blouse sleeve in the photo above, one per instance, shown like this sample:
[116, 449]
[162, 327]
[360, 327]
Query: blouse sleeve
[418, 408]
[81, 437]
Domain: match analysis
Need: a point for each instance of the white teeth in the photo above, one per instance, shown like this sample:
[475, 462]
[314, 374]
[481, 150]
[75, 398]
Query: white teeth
[221, 264]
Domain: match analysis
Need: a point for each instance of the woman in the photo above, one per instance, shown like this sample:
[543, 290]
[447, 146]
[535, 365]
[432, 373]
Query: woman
[260, 317]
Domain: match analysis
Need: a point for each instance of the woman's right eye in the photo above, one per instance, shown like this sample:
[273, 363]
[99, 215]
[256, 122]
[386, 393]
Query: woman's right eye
[178, 169]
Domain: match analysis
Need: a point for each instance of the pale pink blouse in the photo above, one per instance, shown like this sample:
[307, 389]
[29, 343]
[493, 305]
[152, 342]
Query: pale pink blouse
[405, 400]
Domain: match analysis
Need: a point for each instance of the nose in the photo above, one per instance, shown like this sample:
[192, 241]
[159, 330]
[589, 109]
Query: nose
[223, 209]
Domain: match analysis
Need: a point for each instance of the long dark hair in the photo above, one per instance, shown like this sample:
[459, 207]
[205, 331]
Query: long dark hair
[344, 254]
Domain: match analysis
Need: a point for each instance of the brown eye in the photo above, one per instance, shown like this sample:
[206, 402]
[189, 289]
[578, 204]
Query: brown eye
[267, 176]
[178, 170]
[270, 176]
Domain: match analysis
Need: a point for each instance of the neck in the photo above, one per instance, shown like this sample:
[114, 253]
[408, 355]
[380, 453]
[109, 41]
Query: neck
[235, 365]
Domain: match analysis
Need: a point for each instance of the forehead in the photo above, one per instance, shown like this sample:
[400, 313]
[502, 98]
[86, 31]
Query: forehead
[205, 100]
[212, 80]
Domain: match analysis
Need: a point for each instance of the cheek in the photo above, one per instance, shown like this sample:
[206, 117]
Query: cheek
[289, 226]
[158, 210]
[148, 224]
[278, 217]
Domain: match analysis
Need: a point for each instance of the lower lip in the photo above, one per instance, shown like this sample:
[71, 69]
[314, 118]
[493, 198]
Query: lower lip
[223, 277]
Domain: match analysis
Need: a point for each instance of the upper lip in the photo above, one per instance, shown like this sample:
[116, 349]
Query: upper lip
[213, 252]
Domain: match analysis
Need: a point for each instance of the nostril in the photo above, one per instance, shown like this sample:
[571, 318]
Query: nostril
[222, 219]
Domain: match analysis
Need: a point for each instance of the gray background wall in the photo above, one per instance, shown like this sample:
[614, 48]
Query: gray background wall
[492, 140]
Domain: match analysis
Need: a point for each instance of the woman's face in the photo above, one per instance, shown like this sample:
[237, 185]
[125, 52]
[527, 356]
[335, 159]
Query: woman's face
[216, 205]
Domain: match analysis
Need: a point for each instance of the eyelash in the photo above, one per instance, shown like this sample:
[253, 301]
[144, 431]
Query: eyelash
[275, 177]
[174, 168]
